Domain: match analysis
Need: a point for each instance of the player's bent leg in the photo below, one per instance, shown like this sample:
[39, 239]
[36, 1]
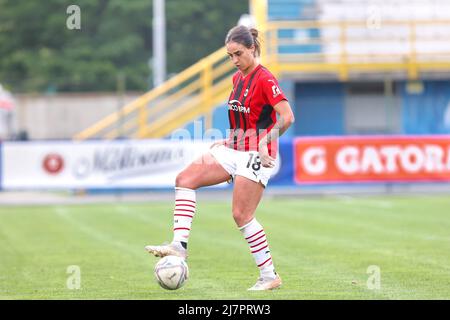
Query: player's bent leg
[246, 197]
[204, 171]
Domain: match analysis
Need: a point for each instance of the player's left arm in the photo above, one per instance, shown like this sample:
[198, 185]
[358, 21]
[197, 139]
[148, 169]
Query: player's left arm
[285, 120]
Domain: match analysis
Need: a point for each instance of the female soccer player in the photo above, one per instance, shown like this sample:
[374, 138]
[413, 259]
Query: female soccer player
[247, 156]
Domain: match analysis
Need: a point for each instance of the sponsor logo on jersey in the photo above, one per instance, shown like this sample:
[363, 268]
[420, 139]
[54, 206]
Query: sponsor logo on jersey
[235, 105]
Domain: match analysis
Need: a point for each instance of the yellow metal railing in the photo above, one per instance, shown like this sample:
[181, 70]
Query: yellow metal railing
[340, 49]
[190, 94]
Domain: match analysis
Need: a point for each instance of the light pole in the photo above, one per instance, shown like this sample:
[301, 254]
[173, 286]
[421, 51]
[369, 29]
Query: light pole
[159, 42]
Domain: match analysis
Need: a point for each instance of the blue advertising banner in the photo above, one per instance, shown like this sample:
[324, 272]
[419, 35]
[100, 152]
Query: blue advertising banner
[285, 174]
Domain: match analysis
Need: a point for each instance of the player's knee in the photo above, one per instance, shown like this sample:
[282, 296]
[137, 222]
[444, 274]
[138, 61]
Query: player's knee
[240, 217]
[184, 180]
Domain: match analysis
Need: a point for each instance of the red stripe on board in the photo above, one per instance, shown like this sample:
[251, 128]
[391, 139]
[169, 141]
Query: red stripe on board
[185, 200]
[186, 205]
[185, 210]
[254, 234]
[256, 239]
[259, 265]
[183, 215]
[259, 243]
[181, 229]
[259, 249]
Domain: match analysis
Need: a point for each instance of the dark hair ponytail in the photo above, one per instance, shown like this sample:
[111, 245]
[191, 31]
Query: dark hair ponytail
[254, 33]
[245, 36]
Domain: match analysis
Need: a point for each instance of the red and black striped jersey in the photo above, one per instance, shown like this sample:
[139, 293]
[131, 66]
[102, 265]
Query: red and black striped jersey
[250, 108]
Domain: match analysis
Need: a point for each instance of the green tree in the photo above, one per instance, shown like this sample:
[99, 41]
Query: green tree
[197, 28]
[39, 53]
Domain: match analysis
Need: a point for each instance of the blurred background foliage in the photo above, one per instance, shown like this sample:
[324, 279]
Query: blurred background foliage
[38, 53]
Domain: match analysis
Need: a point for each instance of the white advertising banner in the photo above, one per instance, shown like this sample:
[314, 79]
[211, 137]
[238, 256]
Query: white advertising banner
[97, 164]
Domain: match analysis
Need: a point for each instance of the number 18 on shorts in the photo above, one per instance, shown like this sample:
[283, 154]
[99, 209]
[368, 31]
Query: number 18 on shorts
[242, 163]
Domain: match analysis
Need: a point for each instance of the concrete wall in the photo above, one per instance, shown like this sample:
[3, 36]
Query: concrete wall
[60, 116]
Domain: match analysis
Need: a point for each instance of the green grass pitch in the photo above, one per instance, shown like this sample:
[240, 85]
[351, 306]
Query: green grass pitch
[322, 248]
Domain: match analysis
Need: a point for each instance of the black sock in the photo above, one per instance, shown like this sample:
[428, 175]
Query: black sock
[184, 244]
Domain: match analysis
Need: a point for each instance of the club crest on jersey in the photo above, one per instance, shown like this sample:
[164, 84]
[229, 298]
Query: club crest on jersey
[236, 105]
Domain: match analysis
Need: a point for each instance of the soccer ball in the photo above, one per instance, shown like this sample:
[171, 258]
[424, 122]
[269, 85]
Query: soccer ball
[171, 272]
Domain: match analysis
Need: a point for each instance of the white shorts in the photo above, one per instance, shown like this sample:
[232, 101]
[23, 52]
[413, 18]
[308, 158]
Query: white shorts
[242, 163]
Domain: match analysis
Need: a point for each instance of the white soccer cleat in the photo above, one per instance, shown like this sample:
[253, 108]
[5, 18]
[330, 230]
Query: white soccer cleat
[266, 284]
[173, 249]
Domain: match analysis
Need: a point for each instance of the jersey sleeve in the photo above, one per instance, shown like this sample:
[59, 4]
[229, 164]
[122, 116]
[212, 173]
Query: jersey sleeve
[272, 91]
